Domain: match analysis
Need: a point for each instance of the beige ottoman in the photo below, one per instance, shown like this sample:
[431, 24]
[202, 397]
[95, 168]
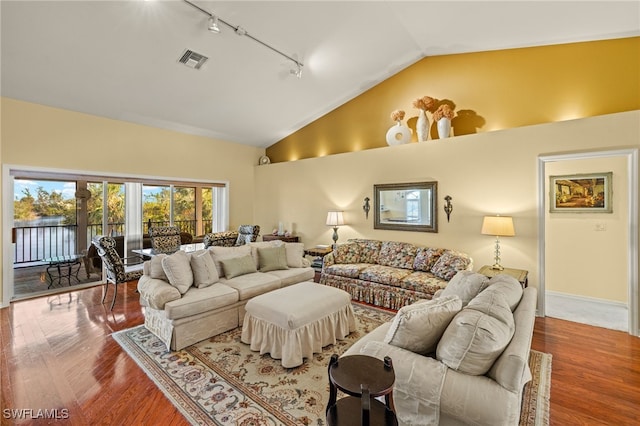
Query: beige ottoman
[295, 322]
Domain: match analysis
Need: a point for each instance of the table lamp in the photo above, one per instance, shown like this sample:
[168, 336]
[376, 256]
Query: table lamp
[335, 219]
[500, 226]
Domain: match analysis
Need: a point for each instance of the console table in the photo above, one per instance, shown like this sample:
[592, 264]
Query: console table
[290, 239]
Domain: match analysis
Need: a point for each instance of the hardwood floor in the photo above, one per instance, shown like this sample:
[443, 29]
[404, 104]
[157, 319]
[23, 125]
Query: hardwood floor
[57, 354]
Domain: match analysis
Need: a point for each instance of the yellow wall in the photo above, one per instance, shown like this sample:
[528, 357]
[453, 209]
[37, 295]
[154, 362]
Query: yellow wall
[485, 173]
[37, 136]
[507, 88]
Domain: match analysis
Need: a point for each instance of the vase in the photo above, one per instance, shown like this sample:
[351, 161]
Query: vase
[422, 126]
[398, 134]
[444, 127]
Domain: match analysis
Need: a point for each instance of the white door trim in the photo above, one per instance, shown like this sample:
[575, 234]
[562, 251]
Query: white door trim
[632, 260]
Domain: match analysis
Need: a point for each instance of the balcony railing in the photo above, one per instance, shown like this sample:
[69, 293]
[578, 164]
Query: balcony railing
[34, 243]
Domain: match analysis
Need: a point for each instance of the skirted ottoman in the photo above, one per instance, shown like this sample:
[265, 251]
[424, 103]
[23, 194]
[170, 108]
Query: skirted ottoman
[295, 322]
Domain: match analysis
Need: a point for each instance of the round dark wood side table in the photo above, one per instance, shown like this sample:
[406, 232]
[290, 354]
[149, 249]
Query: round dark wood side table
[362, 378]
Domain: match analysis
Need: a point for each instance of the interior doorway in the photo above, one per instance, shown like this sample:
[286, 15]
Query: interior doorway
[589, 260]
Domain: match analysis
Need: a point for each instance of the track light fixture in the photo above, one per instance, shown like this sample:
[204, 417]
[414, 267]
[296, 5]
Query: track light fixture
[213, 24]
[214, 27]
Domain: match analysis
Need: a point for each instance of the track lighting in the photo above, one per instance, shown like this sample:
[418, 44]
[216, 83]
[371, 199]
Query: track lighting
[213, 24]
[214, 27]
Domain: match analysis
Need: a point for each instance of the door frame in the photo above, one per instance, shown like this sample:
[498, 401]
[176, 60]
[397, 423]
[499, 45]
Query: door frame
[632, 225]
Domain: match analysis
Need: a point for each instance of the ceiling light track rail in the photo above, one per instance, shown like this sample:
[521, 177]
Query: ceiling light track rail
[242, 32]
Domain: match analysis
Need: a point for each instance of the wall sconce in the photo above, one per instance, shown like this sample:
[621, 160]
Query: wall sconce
[366, 207]
[448, 207]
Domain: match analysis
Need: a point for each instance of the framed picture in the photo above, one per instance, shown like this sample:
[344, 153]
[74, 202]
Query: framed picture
[581, 193]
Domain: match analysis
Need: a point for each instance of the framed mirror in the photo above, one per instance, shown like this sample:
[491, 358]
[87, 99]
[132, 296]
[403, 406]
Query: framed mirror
[406, 206]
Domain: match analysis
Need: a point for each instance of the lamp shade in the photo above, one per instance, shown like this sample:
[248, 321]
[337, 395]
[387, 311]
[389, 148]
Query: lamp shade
[500, 226]
[335, 218]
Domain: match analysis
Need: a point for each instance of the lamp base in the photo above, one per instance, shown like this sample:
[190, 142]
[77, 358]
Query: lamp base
[497, 267]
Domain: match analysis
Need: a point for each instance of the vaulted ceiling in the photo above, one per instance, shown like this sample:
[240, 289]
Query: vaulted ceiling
[119, 59]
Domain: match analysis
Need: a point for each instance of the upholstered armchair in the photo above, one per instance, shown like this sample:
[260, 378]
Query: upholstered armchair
[119, 269]
[244, 235]
[165, 239]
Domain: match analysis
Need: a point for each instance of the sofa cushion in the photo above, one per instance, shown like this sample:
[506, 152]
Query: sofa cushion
[349, 270]
[397, 254]
[250, 285]
[272, 258]
[426, 257]
[369, 250]
[236, 266]
[466, 285]
[450, 263]
[293, 275]
[423, 282]
[155, 267]
[203, 268]
[199, 300]
[510, 288]
[475, 339]
[384, 275]
[178, 270]
[219, 253]
[155, 293]
[347, 253]
[418, 327]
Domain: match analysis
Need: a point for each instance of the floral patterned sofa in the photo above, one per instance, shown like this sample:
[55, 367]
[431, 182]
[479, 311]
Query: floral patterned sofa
[391, 274]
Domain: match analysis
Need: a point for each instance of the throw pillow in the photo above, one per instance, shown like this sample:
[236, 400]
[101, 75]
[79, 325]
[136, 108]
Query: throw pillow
[426, 257]
[450, 263]
[466, 285]
[178, 270]
[218, 253]
[347, 253]
[236, 266]
[295, 255]
[204, 270]
[418, 327]
[474, 340]
[272, 258]
[155, 267]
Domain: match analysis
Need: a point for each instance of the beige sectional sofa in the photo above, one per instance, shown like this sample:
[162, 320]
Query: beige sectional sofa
[189, 297]
[462, 357]
[391, 274]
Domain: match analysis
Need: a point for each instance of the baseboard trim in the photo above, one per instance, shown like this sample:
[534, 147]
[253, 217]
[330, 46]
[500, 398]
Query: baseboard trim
[587, 310]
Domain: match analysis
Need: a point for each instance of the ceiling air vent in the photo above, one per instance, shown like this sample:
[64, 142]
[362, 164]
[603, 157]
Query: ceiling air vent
[192, 59]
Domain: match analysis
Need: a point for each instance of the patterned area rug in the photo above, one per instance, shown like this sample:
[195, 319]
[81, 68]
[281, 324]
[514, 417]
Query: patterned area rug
[221, 381]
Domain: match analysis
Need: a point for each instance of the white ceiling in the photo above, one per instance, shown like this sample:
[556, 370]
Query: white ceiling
[118, 59]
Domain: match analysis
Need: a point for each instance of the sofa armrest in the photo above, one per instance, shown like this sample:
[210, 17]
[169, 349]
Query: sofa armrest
[156, 293]
[221, 239]
[419, 381]
[328, 260]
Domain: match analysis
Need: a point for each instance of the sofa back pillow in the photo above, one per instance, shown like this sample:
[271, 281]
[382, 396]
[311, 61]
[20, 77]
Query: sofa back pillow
[295, 255]
[204, 269]
[236, 266]
[476, 337]
[155, 267]
[272, 258]
[510, 288]
[397, 254]
[347, 253]
[466, 285]
[218, 253]
[178, 270]
[419, 326]
[426, 257]
[369, 250]
[450, 263]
